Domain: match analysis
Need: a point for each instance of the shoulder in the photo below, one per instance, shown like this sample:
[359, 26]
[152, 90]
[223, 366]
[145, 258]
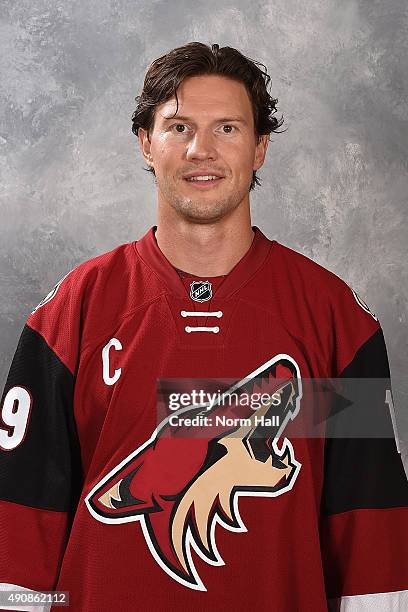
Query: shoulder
[80, 300]
[320, 283]
[341, 318]
[90, 275]
[307, 270]
[101, 266]
[323, 301]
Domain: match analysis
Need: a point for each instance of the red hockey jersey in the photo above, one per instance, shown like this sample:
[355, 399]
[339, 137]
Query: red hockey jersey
[104, 496]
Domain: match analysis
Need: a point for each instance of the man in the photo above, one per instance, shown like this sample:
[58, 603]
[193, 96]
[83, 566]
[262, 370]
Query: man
[127, 501]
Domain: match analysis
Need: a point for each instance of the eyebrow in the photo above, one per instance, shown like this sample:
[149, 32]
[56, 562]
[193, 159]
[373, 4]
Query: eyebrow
[236, 119]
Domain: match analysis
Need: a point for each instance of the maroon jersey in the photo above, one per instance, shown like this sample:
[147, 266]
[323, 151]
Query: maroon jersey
[109, 493]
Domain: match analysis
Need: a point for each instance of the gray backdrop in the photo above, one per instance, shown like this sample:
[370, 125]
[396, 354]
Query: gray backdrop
[334, 185]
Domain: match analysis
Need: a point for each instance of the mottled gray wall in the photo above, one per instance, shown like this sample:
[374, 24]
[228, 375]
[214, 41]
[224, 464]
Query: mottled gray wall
[334, 185]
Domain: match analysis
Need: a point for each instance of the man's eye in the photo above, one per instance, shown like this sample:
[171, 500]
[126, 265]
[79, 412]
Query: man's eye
[179, 125]
[181, 128]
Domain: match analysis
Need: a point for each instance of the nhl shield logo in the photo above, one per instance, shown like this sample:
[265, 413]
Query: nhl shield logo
[200, 291]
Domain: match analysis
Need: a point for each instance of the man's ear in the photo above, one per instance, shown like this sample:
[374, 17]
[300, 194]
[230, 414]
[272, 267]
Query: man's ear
[145, 146]
[260, 151]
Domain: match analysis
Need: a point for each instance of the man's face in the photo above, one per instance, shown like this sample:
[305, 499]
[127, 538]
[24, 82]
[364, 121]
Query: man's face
[212, 134]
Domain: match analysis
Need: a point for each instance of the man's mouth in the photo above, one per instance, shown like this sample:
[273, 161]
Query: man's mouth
[204, 181]
[204, 177]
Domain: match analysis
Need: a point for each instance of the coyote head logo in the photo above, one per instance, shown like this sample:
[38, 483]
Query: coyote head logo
[179, 487]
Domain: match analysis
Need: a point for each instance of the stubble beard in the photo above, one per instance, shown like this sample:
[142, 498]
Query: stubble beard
[201, 209]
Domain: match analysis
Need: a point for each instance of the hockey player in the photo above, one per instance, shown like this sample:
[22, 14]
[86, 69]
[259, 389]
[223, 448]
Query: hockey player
[125, 501]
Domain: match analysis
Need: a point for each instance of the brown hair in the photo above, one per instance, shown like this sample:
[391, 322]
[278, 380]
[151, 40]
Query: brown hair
[167, 72]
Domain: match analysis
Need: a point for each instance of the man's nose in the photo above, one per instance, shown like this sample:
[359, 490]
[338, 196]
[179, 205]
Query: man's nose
[202, 146]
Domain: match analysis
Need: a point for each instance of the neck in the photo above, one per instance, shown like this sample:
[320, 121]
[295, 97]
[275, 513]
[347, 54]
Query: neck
[204, 249]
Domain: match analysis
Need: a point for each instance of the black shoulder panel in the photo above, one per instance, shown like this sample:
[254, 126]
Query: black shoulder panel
[44, 470]
[364, 472]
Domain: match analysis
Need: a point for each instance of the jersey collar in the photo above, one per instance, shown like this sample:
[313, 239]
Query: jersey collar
[150, 253]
